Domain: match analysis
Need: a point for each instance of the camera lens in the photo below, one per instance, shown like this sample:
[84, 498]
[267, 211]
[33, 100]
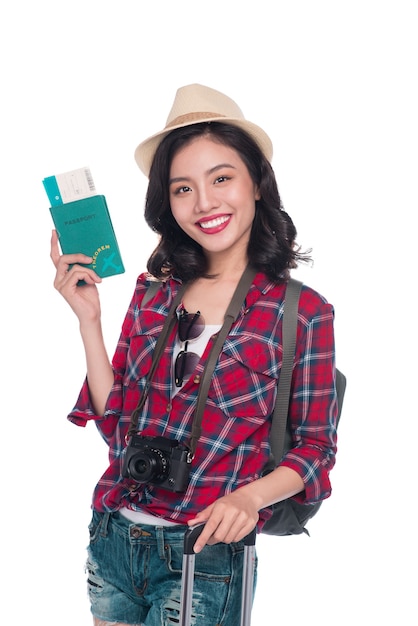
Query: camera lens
[148, 466]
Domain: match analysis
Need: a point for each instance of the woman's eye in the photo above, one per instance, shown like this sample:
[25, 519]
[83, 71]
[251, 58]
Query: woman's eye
[221, 179]
[183, 189]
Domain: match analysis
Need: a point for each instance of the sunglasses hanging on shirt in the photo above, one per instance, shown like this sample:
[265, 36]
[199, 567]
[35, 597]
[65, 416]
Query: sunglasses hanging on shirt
[190, 327]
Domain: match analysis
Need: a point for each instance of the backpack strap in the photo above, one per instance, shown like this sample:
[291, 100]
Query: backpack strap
[281, 408]
[152, 289]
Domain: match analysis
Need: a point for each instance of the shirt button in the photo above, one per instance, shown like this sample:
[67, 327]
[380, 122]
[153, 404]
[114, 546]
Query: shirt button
[196, 379]
[169, 407]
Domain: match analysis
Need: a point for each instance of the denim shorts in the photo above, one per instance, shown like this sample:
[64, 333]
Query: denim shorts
[134, 575]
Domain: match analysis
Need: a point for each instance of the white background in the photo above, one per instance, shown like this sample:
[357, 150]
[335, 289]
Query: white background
[334, 84]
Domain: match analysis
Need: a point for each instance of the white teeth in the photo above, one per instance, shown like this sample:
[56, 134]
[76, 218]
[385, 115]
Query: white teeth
[213, 223]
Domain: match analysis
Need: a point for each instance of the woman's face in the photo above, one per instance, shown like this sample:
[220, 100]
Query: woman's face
[212, 196]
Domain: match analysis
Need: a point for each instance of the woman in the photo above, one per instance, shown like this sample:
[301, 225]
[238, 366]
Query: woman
[213, 199]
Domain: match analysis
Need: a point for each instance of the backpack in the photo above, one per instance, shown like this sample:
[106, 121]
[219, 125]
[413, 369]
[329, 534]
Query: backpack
[289, 516]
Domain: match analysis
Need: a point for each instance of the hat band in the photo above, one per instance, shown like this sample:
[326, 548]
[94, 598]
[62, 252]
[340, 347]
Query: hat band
[192, 117]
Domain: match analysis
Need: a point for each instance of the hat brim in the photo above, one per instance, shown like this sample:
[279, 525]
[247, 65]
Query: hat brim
[144, 153]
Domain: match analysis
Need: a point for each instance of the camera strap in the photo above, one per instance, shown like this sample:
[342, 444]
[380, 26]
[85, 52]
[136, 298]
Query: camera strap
[158, 350]
[231, 315]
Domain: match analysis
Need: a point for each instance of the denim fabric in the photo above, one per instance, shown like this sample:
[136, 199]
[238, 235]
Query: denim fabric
[134, 575]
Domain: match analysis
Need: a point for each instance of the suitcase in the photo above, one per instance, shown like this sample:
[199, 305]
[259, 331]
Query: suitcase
[190, 538]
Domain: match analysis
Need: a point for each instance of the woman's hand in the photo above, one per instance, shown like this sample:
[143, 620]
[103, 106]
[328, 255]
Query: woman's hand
[229, 519]
[83, 299]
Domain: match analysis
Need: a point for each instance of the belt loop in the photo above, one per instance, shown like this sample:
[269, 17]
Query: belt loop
[159, 534]
[104, 524]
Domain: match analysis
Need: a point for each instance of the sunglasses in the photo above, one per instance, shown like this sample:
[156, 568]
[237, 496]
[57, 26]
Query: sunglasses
[191, 326]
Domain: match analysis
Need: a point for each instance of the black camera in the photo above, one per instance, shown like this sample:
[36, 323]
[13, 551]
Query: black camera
[158, 461]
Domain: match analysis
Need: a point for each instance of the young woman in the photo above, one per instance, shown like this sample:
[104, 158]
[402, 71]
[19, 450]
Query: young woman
[213, 199]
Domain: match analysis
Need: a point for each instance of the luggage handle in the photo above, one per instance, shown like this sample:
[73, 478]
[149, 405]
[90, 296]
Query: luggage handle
[193, 533]
[190, 537]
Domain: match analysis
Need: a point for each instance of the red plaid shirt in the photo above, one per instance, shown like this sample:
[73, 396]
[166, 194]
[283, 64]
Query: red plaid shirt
[234, 445]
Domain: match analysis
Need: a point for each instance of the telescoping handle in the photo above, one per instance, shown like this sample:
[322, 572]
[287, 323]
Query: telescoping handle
[190, 538]
[248, 578]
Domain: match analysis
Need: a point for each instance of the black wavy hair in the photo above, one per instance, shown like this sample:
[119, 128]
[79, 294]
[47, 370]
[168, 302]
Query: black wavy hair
[272, 246]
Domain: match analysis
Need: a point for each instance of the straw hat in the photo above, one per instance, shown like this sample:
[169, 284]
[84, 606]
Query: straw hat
[194, 104]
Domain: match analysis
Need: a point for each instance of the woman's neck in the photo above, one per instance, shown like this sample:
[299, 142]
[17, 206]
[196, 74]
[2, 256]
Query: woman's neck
[211, 296]
[226, 267]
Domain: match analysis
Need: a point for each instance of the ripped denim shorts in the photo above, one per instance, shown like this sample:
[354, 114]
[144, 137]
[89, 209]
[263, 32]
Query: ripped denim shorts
[134, 575]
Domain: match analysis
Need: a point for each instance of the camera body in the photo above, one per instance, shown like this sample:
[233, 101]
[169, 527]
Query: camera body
[158, 461]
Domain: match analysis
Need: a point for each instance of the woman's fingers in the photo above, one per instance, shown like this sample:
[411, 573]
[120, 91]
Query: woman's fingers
[55, 253]
[73, 277]
[64, 261]
[71, 267]
[68, 277]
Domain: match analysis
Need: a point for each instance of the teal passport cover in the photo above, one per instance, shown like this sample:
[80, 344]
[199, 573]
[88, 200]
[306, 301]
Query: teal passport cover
[85, 226]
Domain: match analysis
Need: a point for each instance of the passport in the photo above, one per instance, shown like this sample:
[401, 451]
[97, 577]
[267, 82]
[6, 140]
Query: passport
[85, 226]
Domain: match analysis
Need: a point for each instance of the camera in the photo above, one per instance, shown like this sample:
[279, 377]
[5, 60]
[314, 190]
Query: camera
[158, 461]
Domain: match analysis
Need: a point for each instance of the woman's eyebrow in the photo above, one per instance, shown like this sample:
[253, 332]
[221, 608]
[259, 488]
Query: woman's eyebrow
[179, 179]
[210, 171]
[219, 167]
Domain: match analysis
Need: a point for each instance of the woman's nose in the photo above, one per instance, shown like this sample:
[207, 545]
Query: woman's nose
[206, 199]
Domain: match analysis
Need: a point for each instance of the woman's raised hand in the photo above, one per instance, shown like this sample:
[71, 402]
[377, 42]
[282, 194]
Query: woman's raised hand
[83, 299]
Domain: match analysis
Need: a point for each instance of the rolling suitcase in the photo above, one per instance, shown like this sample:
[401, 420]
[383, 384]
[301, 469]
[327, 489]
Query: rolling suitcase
[190, 538]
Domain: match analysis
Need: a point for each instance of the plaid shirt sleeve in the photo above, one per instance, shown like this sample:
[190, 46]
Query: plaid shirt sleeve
[234, 445]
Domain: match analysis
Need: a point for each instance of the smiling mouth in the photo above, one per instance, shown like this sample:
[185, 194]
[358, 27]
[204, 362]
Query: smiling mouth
[217, 221]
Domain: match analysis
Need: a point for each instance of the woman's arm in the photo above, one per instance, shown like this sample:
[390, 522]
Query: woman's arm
[84, 301]
[233, 516]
